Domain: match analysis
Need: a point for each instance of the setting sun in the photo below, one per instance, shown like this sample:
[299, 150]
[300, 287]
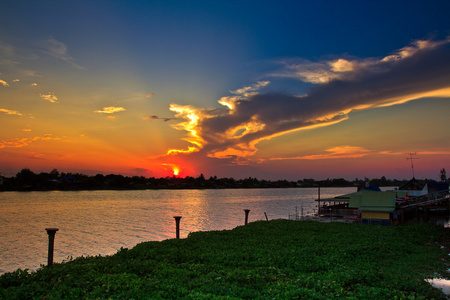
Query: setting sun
[175, 172]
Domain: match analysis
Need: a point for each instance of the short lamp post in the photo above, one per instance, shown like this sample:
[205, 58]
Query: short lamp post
[177, 225]
[246, 215]
[51, 244]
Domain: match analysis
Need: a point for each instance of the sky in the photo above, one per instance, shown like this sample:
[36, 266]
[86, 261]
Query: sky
[264, 89]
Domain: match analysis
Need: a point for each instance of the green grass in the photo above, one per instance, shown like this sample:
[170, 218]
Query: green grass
[279, 259]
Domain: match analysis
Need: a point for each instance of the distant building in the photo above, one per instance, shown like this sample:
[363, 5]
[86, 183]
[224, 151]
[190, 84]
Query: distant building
[416, 187]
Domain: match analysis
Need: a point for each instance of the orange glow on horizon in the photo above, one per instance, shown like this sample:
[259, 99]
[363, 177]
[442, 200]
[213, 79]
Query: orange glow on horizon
[172, 169]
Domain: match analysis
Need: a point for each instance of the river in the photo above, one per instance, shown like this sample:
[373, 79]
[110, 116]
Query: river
[101, 222]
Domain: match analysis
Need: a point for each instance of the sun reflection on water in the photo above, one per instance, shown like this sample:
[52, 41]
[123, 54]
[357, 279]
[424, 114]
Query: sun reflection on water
[101, 222]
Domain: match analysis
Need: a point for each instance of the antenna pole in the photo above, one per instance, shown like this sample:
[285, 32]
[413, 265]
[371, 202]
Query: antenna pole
[411, 158]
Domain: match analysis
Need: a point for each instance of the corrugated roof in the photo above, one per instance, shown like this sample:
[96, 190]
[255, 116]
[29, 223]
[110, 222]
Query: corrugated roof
[370, 200]
[341, 198]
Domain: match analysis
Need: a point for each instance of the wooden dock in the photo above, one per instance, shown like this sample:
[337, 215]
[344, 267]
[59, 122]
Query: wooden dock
[433, 203]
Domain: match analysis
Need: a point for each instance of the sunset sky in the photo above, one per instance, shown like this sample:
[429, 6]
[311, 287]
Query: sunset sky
[265, 89]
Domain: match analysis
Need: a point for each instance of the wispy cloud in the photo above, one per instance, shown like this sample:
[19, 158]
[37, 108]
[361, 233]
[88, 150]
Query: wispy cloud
[32, 73]
[50, 97]
[333, 153]
[350, 152]
[58, 50]
[7, 55]
[158, 118]
[247, 91]
[4, 83]
[341, 85]
[110, 110]
[150, 95]
[10, 112]
[23, 142]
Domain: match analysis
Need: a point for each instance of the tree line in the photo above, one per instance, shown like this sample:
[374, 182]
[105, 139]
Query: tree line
[27, 180]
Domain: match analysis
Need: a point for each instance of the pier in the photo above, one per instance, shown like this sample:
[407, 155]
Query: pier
[437, 203]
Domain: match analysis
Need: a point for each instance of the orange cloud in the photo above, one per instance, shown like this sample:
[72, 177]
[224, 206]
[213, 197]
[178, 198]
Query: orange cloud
[339, 152]
[4, 83]
[110, 110]
[22, 142]
[49, 97]
[10, 112]
[177, 151]
[351, 152]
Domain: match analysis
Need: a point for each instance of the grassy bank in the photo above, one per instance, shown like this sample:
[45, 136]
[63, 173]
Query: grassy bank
[279, 259]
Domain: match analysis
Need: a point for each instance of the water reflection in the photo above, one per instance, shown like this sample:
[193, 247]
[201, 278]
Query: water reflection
[101, 222]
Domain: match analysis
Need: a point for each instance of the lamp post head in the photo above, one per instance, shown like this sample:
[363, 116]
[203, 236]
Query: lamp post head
[51, 230]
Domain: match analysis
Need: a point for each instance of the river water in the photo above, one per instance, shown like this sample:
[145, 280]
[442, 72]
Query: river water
[101, 222]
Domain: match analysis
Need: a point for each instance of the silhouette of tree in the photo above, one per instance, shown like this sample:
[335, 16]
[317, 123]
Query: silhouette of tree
[25, 179]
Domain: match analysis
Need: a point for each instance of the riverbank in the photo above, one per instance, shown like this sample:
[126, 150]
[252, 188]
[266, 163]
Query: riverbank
[277, 259]
[27, 180]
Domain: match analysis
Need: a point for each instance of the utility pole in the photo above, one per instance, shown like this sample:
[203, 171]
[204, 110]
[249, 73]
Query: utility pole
[410, 154]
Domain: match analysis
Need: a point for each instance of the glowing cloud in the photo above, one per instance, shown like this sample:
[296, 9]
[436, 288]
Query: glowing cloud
[192, 116]
[177, 151]
[10, 112]
[49, 97]
[342, 85]
[22, 142]
[4, 83]
[150, 95]
[110, 110]
[341, 65]
[334, 153]
[245, 90]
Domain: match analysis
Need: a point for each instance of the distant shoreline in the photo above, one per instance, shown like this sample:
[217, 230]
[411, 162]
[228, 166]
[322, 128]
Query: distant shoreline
[168, 188]
[27, 180]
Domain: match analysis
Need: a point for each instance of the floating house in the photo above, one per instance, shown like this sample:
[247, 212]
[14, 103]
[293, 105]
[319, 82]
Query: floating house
[366, 206]
[369, 205]
[374, 207]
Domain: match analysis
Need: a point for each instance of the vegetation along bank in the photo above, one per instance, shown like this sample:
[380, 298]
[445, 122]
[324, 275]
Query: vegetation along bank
[278, 259]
